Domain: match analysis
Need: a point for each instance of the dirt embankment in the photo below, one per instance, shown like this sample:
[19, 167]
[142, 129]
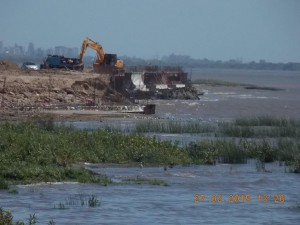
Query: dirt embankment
[20, 89]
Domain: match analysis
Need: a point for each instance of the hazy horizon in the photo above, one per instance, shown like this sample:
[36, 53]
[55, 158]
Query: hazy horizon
[248, 30]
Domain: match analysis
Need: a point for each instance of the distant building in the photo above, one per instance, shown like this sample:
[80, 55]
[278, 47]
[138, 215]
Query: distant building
[17, 50]
[30, 50]
[1, 47]
[40, 52]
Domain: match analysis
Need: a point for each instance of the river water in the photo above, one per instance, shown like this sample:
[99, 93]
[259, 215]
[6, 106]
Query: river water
[219, 194]
[173, 204]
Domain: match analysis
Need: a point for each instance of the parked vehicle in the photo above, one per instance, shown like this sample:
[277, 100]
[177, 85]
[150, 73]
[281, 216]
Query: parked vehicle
[29, 66]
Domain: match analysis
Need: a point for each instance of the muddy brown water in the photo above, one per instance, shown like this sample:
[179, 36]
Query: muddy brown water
[227, 103]
[227, 194]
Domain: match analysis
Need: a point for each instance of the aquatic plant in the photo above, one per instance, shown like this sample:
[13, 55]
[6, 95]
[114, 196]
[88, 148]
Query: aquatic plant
[79, 200]
[32, 219]
[210, 152]
[296, 166]
[60, 205]
[266, 120]
[3, 183]
[30, 153]
[6, 218]
[51, 222]
[263, 151]
[170, 126]
[203, 152]
[13, 191]
[34, 153]
[93, 201]
[231, 130]
[260, 126]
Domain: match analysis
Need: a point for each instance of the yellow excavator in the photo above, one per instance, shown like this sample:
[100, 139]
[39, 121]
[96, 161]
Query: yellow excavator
[105, 63]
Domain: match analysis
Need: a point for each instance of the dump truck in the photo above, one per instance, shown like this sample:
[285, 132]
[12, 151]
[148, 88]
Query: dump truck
[61, 62]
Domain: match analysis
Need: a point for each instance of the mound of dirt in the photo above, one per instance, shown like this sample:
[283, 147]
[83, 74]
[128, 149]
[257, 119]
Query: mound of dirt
[8, 65]
[19, 89]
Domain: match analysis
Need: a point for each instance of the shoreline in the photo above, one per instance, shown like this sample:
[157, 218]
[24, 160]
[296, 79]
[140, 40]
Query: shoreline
[68, 115]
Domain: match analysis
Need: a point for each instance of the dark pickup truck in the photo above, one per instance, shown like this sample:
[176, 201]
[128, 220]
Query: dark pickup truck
[61, 62]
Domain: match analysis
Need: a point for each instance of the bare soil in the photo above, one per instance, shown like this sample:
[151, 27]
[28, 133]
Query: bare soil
[27, 91]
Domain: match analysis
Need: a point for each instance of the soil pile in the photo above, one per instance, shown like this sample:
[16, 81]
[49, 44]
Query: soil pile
[42, 89]
[8, 65]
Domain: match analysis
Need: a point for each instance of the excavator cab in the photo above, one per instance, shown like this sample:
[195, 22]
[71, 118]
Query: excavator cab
[112, 60]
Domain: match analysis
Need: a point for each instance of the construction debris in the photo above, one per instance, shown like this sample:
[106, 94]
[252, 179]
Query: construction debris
[154, 83]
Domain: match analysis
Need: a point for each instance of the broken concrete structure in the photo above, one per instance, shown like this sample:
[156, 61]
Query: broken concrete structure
[153, 82]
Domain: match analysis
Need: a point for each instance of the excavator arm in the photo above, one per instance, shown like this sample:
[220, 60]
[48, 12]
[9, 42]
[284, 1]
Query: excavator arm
[87, 42]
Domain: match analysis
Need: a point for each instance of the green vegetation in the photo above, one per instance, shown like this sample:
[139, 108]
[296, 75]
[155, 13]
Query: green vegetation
[266, 120]
[78, 200]
[173, 127]
[256, 127]
[6, 218]
[39, 151]
[230, 151]
[260, 129]
[93, 201]
[32, 152]
[3, 183]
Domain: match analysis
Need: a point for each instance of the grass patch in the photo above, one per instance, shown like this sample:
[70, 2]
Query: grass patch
[172, 127]
[210, 152]
[6, 218]
[3, 184]
[79, 200]
[266, 120]
[260, 127]
[93, 201]
[31, 153]
[231, 130]
[233, 151]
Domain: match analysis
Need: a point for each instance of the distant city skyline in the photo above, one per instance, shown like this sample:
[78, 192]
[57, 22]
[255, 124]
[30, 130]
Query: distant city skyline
[31, 50]
[250, 30]
[38, 52]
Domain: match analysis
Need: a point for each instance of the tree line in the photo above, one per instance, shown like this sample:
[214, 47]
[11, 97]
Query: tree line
[181, 61]
[188, 62]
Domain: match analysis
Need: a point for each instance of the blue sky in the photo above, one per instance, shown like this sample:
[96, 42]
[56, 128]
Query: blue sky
[213, 29]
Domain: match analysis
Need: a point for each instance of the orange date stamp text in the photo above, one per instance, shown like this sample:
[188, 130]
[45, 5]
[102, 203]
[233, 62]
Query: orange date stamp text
[239, 198]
